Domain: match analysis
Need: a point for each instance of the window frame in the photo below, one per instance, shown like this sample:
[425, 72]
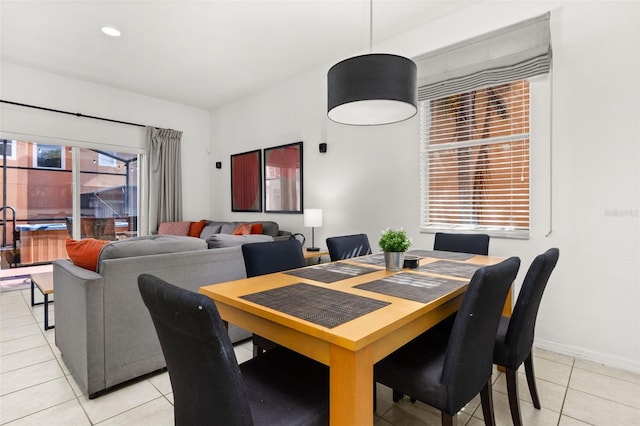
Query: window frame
[10, 143]
[36, 157]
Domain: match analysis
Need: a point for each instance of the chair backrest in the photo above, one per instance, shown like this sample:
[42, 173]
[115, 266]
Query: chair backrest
[519, 337]
[205, 377]
[469, 357]
[273, 256]
[348, 246]
[462, 243]
[98, 228]
[91, 227]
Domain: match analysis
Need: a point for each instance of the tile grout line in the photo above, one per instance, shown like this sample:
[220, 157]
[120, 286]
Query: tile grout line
[59, 362]
[566, 391]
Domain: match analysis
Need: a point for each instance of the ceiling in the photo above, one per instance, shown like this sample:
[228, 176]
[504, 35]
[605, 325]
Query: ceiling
[200, 53]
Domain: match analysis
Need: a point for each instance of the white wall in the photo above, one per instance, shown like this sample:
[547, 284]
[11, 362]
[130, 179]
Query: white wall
[369, 178]
[29, 86]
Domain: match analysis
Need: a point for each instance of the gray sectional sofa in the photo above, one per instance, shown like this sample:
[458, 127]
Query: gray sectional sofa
[219, 234]
[103, 329]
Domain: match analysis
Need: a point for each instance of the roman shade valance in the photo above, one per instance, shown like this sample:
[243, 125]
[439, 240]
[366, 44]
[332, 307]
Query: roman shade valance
[511, 53]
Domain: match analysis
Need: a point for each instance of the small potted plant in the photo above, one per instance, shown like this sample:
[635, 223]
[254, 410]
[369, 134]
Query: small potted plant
[394, 243]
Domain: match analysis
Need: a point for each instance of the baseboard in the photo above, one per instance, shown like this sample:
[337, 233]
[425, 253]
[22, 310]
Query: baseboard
[593, 356]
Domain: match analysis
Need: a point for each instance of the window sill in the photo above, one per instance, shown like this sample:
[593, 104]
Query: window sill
[516, 234]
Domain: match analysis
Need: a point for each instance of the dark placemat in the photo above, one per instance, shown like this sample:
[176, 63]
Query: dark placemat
[371, 259]
[419, 288]
[331, 272]
[447, 267]
[318, 305]
[441, 254]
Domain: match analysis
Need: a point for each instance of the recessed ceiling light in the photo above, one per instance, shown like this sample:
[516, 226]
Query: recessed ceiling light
[110, 31]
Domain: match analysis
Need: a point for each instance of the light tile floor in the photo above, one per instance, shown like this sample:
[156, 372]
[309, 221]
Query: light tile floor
[36, 388]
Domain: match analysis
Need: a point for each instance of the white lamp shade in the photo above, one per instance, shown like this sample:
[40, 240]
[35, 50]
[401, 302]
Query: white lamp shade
[312, 217]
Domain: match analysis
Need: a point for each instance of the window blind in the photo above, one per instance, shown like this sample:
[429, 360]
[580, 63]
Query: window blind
[511, 53]
[475, 155]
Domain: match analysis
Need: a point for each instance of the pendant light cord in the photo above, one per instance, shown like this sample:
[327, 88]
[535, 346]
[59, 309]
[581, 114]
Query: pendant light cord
[370, 26]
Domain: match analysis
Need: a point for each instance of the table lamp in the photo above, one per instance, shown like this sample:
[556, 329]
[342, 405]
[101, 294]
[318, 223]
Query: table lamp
[312, 218]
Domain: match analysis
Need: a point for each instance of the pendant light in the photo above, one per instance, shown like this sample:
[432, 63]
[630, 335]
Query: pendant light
[372, 89]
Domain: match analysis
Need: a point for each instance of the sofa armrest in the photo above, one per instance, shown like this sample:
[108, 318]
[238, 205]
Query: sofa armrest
[79, 295]
[282, 235]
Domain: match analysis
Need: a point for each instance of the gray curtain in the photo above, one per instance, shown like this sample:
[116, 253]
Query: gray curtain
[165, 176]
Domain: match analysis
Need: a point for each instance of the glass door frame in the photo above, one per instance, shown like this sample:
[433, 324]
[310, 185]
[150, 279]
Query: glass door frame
[75, 147]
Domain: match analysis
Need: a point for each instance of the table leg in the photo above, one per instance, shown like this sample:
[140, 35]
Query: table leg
[46, 313]
[33, 300]
[351, 387]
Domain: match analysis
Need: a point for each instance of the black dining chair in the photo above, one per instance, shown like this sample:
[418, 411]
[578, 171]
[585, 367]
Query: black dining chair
[209, 387]
[267, 258]
[462, 243]
[348, 246]
[515, 334]
[447, 371]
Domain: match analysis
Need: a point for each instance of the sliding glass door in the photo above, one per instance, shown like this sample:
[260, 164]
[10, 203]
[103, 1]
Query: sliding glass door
[37, 198]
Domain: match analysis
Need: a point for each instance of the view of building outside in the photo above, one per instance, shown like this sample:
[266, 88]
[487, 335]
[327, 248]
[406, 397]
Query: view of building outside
[37, 198]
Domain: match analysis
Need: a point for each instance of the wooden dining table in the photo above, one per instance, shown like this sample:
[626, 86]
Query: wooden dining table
[350, 314]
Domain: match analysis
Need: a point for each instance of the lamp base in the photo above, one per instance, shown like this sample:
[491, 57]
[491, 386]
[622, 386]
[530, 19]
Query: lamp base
[313, 249]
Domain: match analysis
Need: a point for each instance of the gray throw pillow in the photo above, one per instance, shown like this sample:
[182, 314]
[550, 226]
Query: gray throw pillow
[209, 230]
[226, 240]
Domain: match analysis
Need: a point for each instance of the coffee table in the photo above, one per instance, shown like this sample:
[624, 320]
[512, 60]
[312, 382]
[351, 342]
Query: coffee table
[44, 282]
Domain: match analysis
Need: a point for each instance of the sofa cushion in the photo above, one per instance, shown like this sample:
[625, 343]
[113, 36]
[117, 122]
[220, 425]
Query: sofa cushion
[153, 244]
[269, 228]
[195, 228]
[209, 230]
[226, 240]
[85, 253]
[242, 229]
[229, 227]
[174, 228]
[256, 228]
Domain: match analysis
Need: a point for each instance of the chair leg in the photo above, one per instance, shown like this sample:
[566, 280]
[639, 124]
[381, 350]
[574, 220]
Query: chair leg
[257, 350]
[531, 380]
[512, 391]
[448, 420]
[486, 397]
[375, 396]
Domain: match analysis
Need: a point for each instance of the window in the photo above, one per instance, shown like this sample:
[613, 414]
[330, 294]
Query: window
[476, 100]
[43, 195]
[475, 160]
[8, 147]
[107, 159]
[48, 156]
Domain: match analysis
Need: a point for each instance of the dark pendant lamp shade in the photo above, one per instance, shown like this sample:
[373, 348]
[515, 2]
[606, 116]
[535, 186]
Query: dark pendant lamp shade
[372, 89]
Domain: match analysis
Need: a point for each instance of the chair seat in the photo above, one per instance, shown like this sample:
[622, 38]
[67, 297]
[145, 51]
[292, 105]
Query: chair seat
[418, 364]
[272, 393]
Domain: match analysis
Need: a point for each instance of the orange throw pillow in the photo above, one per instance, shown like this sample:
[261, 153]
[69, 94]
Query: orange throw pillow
[196, 228]
[242, 229]
[256, 228]
[84, 253]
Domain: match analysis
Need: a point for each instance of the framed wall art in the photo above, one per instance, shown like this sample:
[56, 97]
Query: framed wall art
[283, 178]
[246, 182]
